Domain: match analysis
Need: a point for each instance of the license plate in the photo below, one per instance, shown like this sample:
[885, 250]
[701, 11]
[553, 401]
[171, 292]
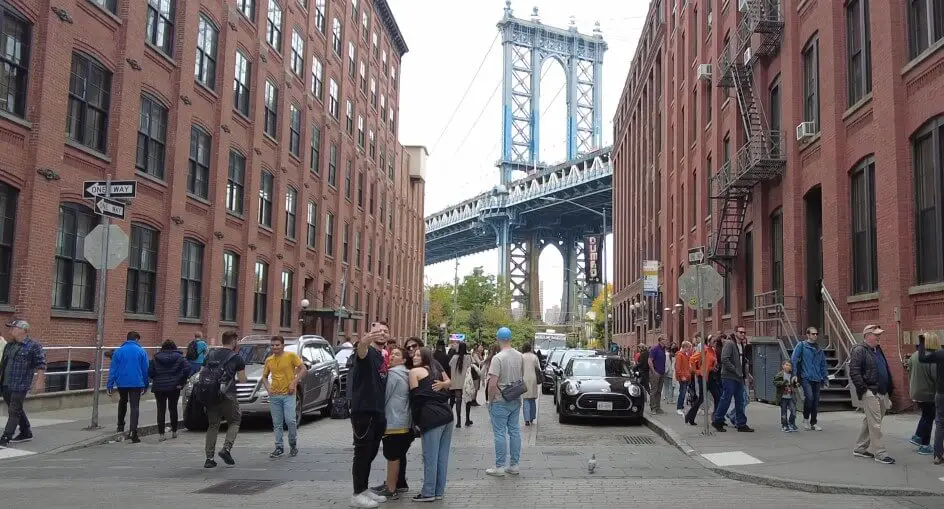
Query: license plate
[605, 405]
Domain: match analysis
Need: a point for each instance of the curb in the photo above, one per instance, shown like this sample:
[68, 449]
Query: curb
[670, 436]
[101, 439]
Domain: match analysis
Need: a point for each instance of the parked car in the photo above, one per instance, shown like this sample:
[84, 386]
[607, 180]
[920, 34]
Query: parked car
[315, 392]
[343, 355]
[561, 364]
[600, 387]
[553, 359]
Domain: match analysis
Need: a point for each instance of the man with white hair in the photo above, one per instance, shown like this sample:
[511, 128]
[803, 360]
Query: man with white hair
[872, 379]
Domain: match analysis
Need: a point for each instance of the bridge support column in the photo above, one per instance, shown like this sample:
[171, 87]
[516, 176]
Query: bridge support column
[524, 275]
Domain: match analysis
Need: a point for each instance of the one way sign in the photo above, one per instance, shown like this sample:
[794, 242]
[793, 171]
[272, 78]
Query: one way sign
[119, 189]
[110, 208]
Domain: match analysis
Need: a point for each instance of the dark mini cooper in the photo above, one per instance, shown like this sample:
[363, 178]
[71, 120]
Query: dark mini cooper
[600, 387]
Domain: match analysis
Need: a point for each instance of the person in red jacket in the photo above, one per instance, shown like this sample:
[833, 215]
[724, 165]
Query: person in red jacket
[683, 374]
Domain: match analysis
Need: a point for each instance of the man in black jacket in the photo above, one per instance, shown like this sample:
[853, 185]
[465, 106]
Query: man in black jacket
[872, 379]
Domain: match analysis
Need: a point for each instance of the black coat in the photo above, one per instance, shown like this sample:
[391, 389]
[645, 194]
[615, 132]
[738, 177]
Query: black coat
[168, 370]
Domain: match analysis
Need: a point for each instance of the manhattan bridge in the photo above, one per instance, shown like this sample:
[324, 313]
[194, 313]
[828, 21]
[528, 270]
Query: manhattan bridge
[558, 204]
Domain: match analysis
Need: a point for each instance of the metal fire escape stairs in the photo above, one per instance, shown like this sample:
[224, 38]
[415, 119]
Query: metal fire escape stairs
[762, 157]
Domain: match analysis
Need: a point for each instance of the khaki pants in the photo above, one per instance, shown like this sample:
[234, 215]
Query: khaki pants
[870, 438]
[655, 392]
[228, 409]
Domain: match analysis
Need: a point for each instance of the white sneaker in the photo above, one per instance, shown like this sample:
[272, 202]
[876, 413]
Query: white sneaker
[375, 497]
[513, 470]
[362, 501]
[496, 472]
[806, 425]
[680, 412]
[816, 427]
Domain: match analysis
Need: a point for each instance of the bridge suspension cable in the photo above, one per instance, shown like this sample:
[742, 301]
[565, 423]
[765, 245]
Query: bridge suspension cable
[466, 93]
[477, 119]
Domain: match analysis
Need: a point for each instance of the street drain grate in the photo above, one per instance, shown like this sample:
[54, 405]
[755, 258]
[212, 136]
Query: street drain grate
[560, 453]
[240, 487]
[638, 440]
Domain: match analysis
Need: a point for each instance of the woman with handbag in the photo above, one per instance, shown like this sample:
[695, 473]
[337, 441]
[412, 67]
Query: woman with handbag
[460, 366]
[432, 419]
[532, 380]
[478, 360]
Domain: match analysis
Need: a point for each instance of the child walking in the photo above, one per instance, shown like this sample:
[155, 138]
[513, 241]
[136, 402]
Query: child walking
[786, 382]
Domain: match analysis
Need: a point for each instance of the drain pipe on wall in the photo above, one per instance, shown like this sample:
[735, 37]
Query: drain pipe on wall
[899, 333]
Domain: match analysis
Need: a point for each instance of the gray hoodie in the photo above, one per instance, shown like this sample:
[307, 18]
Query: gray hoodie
[397, 400]
[731, 366]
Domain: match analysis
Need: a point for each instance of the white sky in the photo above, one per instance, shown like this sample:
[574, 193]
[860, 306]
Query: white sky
[448, 40]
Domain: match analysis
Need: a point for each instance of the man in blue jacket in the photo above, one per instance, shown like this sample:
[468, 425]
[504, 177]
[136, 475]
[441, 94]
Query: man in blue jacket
[809, 363]
[129, 373]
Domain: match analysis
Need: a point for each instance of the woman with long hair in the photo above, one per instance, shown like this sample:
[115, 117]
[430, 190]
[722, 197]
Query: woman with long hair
[433, 418]
[926, 343]
[398, 437]
[478, 359]
[411, 345]
[460, 366]
[532, 372]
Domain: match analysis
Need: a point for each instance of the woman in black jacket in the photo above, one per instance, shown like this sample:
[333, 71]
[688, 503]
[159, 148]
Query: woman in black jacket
[432, 416]
[168, 372]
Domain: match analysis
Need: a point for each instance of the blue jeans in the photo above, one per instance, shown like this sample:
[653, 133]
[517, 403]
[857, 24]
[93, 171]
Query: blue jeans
[683, 391]
[282, 409]
[732, 389]
[788, 412]
[746, 397]
[436, 444]
[530, 409]
[505, 422]
[810, 400]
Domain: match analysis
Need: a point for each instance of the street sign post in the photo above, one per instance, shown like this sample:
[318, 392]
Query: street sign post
[110, 189]
[110, 208]
[700, 287]
[696, 255]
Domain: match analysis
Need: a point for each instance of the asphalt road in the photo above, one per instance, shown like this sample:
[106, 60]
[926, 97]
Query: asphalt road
[634, 467]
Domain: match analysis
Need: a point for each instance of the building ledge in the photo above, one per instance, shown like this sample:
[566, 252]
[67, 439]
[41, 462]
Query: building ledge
[928, 288]
[862, 297]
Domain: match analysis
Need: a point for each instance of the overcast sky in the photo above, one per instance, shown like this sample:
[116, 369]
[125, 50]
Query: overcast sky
[448, 39]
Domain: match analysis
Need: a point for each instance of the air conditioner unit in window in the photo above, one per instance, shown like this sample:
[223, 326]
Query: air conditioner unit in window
[747, 56]
[806, 130]
[743, 5]
[704, 72]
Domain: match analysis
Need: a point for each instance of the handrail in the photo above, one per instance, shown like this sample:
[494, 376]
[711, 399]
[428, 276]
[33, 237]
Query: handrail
[69, 372]
[837, 323]
[771, 303]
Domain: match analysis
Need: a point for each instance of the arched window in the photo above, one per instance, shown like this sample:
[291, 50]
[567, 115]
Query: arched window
[141, 286]
[864, 239]
[260, 294]
[74, 284]
[191, 279]
[230, 287]
[928, 161]
[288, 289]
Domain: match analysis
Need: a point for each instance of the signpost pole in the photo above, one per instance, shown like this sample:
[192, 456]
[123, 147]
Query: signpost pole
[704, 354]
[100, 311]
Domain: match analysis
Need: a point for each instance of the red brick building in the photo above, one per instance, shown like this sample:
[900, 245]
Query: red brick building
[263, 137]
[858, 205]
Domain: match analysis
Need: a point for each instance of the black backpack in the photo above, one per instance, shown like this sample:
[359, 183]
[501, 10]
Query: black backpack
[213, 382]
[192, 352]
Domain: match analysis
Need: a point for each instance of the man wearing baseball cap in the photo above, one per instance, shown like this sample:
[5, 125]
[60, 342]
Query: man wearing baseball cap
[506, 386]
[22, 356]
[872, 379]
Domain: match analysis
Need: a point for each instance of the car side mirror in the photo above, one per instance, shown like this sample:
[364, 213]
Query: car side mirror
[308, 364]
[555, 364]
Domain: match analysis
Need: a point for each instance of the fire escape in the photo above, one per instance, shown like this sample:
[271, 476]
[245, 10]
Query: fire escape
[762, 158]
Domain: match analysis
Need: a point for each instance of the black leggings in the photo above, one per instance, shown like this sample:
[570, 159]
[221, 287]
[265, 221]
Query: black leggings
[166, 400]
[457, 397]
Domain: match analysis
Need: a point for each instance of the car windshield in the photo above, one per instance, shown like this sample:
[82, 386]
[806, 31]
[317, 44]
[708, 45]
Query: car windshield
[257, 353]
[343, 355]
[599, 367]
[569, 354]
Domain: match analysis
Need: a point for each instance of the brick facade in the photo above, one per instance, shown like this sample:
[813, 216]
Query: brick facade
[907, 92]
[45, 168]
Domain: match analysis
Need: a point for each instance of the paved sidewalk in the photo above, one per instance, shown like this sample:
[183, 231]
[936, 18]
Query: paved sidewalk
[815, 461]
[64, 430]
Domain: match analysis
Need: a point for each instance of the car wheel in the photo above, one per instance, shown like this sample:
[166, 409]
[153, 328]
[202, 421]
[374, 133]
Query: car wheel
[335, 393]
[195, 418]
[298, 408]
[545, 390]
[562, 418]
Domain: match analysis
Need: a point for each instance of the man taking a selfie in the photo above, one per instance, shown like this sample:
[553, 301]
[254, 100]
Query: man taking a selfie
[367, 392]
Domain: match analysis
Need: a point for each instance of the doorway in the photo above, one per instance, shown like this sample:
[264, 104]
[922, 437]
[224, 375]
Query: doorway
[813, 205]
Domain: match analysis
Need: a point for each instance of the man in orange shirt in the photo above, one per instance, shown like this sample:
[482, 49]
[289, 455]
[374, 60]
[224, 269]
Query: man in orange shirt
[683, 374]
[711, 360]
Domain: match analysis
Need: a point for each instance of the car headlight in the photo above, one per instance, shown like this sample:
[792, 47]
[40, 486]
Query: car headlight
[634, 390]
[571, 389]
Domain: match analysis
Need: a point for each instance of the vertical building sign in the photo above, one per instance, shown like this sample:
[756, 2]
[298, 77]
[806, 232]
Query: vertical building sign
[593, 256]
[650, 274]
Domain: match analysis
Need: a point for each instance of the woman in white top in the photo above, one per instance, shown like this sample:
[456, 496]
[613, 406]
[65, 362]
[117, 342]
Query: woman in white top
[459, 366]
[532, 367]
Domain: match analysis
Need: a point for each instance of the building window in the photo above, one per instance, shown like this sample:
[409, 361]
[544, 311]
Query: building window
[864, 247]
[372, 146]
[392, 123]
[859, 49]
[315, 164]
[241, 83]
[74, 287]
[370, 255]
[357, 249]
[160, 25]
[383, 160]
[360, 131]
[205, 68]
[929, 176]
[260, 291]
[191, 279]
[360, 189]
[393, 77]
[383, 61]
[776, 254]
[925, 25]
[285, 312]
[365, 25]
[749, 270]
[346, 243]
[391, 167]
[16, 32]
[320, 15]
[727, 294]
[265, 199]
[336, 36]
[811, 82]
[298, 53]
[312, 225]
[375, 44]
[291, 198]
[274, 26]
[317, 78]
[351, 59]
[89, 100]
[380, 262]
[349, 118]
[270, 122]
[709, 194]
[235, 182]
[8, 202]
[363, 77]
[109, 5]
[333, 105]
[329, 234]
[141, 285]
[248, 8]
[373, 93]
[348, 169]
[198, 173]
[383, 108]
[726, 150]
[152, 135]
[295, 131]
[333, 166]
[229, 286]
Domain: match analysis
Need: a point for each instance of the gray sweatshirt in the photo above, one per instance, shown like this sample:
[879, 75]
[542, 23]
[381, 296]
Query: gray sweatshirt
[731, 366]
[397, 400]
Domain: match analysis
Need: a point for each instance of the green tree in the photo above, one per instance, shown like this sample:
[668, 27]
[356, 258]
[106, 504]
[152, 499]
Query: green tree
[599, 314]
[476, 290]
